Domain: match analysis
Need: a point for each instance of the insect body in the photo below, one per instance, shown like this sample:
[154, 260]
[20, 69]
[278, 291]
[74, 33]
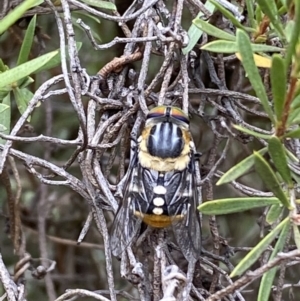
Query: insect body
[161, 189]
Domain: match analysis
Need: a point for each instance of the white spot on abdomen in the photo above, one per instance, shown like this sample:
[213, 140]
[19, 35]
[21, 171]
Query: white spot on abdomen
[158, 202]
[158, 211]
[159, 189]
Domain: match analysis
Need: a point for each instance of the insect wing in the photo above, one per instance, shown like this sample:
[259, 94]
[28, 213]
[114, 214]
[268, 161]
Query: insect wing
[187, 230]
[125, 227]
[126, 224]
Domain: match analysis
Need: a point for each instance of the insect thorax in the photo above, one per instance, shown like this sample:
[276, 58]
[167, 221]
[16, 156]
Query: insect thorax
[164, 147]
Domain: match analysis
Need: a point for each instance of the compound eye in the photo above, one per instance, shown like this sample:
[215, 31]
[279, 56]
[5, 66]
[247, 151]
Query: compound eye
[159, 111]
[165, 111]
[179, 115]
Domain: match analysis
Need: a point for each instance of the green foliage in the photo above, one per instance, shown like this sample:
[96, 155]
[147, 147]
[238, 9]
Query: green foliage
[273, 214]
[17, 79]
[226, 206]
[194, 32]
[278, 155]
[268, 278]
[278, 83]
[255, 253]
[245, 50]
[283, 111]
[11, 76]
[17, 13]
[27, 43]
[239, 169]
[101, 4]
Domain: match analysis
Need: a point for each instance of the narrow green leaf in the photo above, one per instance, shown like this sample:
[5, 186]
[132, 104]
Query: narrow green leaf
[258, 14]
[291, 156]
[24, 82]
[296, 102]
[194, 32]
[273, 214]
[255, 253]
[269, 178]
[296, 178]
[22, 97]
[271, 11]
[278, 84]
[227, 14]
[3, 67]
[268, 278]
[289, 29]
[294, 35]
[5, 116]
[250, 11]
[278, 155]
[27, 42]
[55, 60]
[233, 205]
[100, 4]
[213, 30]
[4, 91]
[252, 133]
[17, 13]
[296, 236]
[293, 133]
[252, 71]
[239, 169]
[12, 75]
[75, 23]
[224, 46]
[294, 116]
[82, 14]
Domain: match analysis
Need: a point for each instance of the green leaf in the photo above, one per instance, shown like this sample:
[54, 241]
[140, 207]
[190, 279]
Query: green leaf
[83, 14]
[278, 155]
[273, 214]
[289, 29]
[100, 4]
[294, 116]
[269, 178]
[252, 71]
[224, 46]
[75, 23]
[278, 84]
[17, 13]
[294, 35]
[3, 67]
[5, 113]
[4, 91]
[22, 97]
[230, 16]
[252, 133]
[233, 205]
[239, 169]
[296, 236]
[24, 82]
[12, 75]
[250, 11]
[293, 133]
[255, 253]
[213, 30]
[291, 156]
[27, 42]
[194, 32]
[258, 14]
[296, 102]
[268, 278]
[55, 60]
[271, 11]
